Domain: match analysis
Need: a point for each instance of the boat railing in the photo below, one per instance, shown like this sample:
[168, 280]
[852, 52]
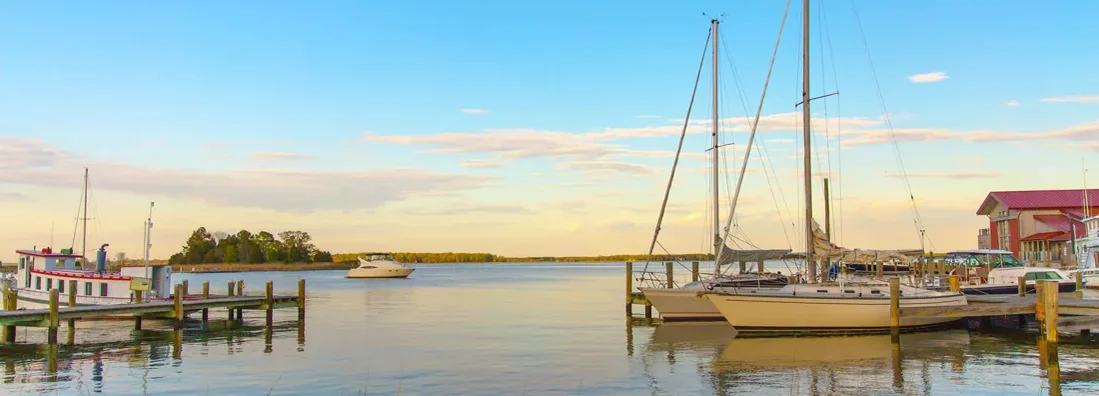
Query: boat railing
[651, 279]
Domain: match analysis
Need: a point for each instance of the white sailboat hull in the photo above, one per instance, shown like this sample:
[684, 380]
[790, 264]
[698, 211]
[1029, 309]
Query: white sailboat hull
[379, 272]
[775, 311]
[682, 305]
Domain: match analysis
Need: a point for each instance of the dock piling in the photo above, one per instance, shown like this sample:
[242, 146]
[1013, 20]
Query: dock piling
[11, 297]
[205, 296]
[269, 302]
[1040, 304]
[894, 308]
[694, 271]
[186, 287]
[240, 292]
[138, 297]
[232, 289]
[178, 314]
[629, 288]
[954, 285]
[1051, 306]
[51, 334]
[1079, 286]
[669, 275]
[301, 300]
[1022, 286]
[72, 303]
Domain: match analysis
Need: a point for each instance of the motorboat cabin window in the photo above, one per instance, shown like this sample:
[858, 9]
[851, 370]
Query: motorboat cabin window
[379, 257]
[38, 283]
[103, 289]
[61, 286]
[87, 288]
[49, 284]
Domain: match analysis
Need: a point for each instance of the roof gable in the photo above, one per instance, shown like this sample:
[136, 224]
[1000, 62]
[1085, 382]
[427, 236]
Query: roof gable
[1038, 199]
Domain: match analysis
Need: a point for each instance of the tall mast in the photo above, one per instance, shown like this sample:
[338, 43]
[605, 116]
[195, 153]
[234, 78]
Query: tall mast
[807, 137]
[84, 240]
[717, 214]
[148, 238]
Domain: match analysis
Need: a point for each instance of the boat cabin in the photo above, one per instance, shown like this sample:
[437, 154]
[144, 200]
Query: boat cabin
[993, 266]
[378, 257]
[40, 271]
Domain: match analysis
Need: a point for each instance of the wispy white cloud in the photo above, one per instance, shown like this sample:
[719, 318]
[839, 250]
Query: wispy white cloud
[947, 175]
[601, 166]
[22, 162]
[928, 77]
[475, 111]
[462, 208]
[481, 164]
[1012, 103]
[780, 141]
[278, 156]
[13, 197]
[1072, 99]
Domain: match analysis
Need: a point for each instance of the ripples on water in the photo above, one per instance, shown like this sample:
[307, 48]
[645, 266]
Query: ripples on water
[511, 329]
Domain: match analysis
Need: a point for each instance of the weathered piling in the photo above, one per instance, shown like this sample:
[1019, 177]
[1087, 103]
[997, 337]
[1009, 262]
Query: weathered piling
[1079, 286]
[9, 305]
[186, 287]
[1022, 286]
[51, 334]
[301, 300]
[269, 302]
[954, 284]
[668, 275]
[232, 290]
[72, 303]
[205, 296]
[177, 314]
[694, 271]
[137, 300]
[240, 292]
[1049, 325]
[629, 289]
[1040, 304]
[894, 309]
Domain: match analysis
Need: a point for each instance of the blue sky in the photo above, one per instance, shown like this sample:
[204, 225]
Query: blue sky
[253, 114]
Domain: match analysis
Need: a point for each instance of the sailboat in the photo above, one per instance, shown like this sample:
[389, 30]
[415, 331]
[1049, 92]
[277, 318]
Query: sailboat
[683, 303]
[862, 305]
[41, 270]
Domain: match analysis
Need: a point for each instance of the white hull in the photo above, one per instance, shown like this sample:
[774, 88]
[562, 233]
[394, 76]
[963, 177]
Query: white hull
[793, 311]
[379, 272]
[681, 304]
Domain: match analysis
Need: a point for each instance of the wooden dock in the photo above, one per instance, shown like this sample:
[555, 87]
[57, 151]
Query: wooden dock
[177, 309]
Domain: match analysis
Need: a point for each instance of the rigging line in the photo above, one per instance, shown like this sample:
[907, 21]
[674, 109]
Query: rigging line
[762, 145]
[917, 220]
[755, 128]
[827, 127]
[838, 218]
[679, 148]
[76, 225]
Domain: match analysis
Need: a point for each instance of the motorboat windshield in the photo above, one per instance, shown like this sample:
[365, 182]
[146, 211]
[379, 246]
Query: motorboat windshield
[984, 258]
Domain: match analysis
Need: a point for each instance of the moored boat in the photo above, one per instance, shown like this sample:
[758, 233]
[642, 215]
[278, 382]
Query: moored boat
[379, 266]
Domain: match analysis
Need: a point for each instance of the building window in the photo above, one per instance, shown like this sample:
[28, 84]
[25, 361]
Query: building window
[49, 284]
[61, 286]
[38, 283]
[1004, 235]
[103, 289]
[87, 288]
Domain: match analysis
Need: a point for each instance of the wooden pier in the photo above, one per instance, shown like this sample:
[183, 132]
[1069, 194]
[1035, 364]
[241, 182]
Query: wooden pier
[175, 310]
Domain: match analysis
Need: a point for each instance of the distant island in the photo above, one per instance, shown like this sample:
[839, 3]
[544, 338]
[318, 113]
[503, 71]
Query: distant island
[294, 251]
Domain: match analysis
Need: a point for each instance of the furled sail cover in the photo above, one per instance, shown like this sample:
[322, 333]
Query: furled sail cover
[823, 249]
[729, 256]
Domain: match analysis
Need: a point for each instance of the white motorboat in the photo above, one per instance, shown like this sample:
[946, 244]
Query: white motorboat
[379, 266]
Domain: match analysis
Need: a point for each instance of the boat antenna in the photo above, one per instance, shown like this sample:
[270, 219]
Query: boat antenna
[84, 239]
[148, 237]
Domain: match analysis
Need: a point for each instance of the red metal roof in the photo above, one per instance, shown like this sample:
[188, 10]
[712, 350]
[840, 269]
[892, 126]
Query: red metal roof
[1058, 221]
[1039, 199]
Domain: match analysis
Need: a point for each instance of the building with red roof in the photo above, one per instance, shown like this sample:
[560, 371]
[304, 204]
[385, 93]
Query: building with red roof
[1039, 225]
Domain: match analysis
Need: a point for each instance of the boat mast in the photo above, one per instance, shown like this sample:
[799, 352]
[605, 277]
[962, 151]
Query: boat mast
[807, 137]
[717, 211]
[84, 240]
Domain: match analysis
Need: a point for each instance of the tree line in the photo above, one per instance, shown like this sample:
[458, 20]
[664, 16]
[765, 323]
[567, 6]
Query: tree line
[450, 257]
[245, 247]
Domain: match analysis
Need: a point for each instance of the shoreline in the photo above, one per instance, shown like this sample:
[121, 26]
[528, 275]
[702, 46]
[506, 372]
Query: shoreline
[258, 267]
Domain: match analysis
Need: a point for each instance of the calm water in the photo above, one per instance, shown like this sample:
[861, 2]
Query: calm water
[508, 329]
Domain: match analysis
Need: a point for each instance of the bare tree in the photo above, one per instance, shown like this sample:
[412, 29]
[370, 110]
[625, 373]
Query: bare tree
[120, 258]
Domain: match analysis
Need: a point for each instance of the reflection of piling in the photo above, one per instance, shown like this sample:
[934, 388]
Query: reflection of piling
[205, 296]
